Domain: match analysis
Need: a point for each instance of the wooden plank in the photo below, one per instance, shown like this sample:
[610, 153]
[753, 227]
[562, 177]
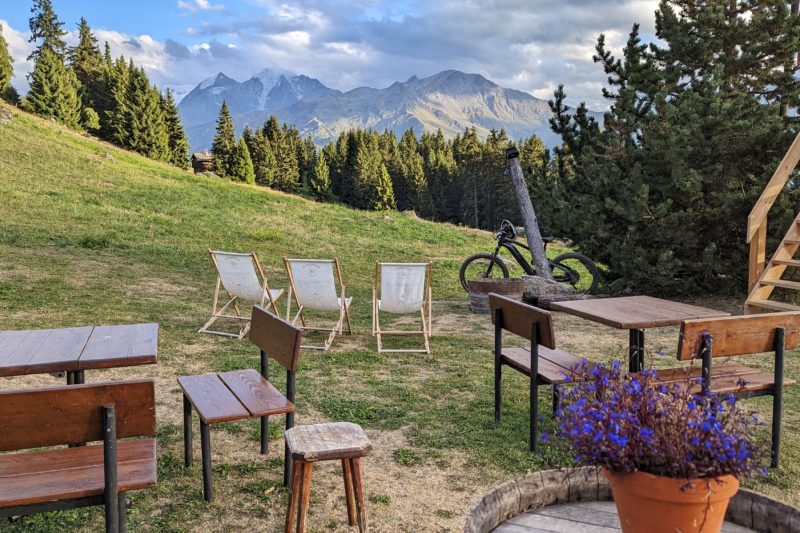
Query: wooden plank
[758, 256]
[52, 416]
[770, 304]
[67, 473]
[635, 312]
[117, 346]
[334, 440]
[738, 335]
[277, 337]
[687, 373]
[787, 262]
[257, 394]
[517, 318]
[774, 187]
[41, 350]
[553, 366]
[786, 284]
[213, 401]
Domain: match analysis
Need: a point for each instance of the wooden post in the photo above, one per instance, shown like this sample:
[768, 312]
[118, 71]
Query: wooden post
[532, 232]
[758, 256]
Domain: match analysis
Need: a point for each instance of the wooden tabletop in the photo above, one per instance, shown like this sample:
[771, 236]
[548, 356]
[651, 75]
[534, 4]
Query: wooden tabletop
[635, 312]
[83, 348]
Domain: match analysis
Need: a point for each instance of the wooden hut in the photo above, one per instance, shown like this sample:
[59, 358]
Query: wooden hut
[202, 162]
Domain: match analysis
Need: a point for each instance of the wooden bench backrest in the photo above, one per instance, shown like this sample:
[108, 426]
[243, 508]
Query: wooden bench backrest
[738, 335]
[276, 337]
[517, 318]
[52, 416]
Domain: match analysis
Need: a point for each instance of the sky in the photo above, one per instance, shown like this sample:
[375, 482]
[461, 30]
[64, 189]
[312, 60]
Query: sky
[529, 45]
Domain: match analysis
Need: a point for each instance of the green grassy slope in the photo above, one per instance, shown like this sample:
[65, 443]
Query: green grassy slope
[90, 234]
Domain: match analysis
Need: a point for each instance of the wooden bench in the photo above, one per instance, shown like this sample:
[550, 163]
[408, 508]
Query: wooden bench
[738, 335]
[543, 363]
[243, 394]
[64, 478]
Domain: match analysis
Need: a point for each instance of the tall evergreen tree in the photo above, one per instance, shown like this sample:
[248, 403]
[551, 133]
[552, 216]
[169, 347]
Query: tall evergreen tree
[224, 146]
[468, 154]
[144, 117]
[440, 167]
[176, 136]
[53, 91]
[411, 178]
[6, 69]
[261, 155]
[242, 165]
[87, 63]
[319, 183]
[115, 127]
[373, 186]
[47, 30]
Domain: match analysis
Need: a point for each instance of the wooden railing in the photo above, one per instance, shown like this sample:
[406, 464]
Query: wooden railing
[757, 220]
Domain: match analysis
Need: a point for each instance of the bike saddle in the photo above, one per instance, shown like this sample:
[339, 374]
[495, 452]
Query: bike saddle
[548, 239]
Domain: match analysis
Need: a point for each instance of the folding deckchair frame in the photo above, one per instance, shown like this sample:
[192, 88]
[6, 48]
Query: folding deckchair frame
[425, 329]
[216, 314]
[338, 327]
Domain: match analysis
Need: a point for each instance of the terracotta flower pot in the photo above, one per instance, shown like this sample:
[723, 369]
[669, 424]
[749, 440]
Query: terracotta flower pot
[654, 504]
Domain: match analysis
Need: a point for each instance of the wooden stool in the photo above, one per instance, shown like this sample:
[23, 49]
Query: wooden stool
[325, 442]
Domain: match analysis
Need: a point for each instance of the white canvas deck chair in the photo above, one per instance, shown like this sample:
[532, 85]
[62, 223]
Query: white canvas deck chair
[405, 288]
[238, 275]
[312, 284]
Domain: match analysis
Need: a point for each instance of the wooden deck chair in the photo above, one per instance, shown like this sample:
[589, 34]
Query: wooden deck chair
[312, 283]
[404, 288]
[237, 275]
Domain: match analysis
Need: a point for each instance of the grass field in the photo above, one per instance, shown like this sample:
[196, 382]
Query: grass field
[90, 234]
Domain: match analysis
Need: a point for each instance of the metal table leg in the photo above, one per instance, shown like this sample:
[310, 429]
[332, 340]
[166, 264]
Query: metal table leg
[187, 432]
[636, 350]
[205, 446]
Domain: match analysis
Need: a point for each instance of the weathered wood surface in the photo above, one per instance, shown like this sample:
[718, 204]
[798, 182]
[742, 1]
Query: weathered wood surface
[517, 318]
[555, 366]
[41, 350]
[532, 233]
[635, 312]
[479, 290]
[53, 416]
[256, 394]
[82, 348]
[70, 473]
[277, 337]
[738, 335]
[212, 400]
[116, 346]
[320, 442]
[585, 517]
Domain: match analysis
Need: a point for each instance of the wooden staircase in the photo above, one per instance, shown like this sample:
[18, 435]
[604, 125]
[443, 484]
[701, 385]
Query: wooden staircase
[763, 277]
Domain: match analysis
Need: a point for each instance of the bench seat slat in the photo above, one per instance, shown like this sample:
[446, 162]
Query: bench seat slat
[724, 378]
[258, 395]
[69, 473]
[213, 401]
[554, 365]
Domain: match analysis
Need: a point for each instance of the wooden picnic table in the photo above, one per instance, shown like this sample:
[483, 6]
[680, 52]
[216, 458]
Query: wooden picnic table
[74, 350]
[635, 313]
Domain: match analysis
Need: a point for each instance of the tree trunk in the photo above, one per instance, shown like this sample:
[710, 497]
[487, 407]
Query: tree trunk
[532, 232]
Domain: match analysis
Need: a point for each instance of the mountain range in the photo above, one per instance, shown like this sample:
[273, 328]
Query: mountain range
[450, 101]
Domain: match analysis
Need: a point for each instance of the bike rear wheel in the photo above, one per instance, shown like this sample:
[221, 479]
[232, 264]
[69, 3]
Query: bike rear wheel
[576, 270]
[481, 266]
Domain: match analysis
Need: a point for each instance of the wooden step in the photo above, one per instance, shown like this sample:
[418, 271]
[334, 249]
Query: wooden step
[787, 262]
[790, 241]
[781, 283]
[769, 304]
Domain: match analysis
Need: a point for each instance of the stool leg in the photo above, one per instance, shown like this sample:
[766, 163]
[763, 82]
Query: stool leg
[349, 495]
[294, 495]
[264, 434]
[358, 485]
[187, 432]
[205, 446]
[306, 493]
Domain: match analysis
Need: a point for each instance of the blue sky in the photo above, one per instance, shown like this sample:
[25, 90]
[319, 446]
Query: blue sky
[529, 45]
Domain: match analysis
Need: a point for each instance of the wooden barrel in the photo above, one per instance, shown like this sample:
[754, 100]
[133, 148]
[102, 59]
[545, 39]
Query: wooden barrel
[479, 290]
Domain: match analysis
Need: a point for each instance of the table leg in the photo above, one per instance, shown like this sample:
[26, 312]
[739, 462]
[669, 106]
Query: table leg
[79, 377]
[264, 434]
[636, 350]
[205, 447]
[187, 432]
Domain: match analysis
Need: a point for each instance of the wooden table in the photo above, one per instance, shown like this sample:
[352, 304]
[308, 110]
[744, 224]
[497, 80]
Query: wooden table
[74, 350]
[635, 313]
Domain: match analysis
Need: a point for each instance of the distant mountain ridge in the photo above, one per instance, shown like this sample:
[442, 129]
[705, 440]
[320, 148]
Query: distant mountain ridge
[450, 101]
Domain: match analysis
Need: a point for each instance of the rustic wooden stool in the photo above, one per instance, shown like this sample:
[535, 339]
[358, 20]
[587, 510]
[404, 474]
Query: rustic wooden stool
[325, 442]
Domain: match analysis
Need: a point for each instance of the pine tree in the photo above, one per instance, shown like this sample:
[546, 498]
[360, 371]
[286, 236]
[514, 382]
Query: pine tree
[262, 156]
[440, 167]
[177, 141]
[224, 146]
[373, 186]
[319, 183]
[115, 127]
[6, 69]
[87, 63]
[144, 117]
[411, 177]
[53, 91]
[283, 143]
[468, 154]
[46, 28]
[242, 165]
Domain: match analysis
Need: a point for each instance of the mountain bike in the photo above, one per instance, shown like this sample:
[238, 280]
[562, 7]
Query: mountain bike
[574, 269]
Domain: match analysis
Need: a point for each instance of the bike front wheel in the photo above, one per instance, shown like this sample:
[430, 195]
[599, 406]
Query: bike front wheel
[577, 271]
[481, 266]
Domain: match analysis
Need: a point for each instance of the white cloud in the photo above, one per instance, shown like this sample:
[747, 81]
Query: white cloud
[20, 49]
[193, 6]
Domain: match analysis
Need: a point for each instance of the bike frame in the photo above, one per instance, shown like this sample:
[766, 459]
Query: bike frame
[511, 246]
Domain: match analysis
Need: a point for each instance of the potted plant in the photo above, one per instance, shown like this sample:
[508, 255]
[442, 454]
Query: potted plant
[673, 457]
